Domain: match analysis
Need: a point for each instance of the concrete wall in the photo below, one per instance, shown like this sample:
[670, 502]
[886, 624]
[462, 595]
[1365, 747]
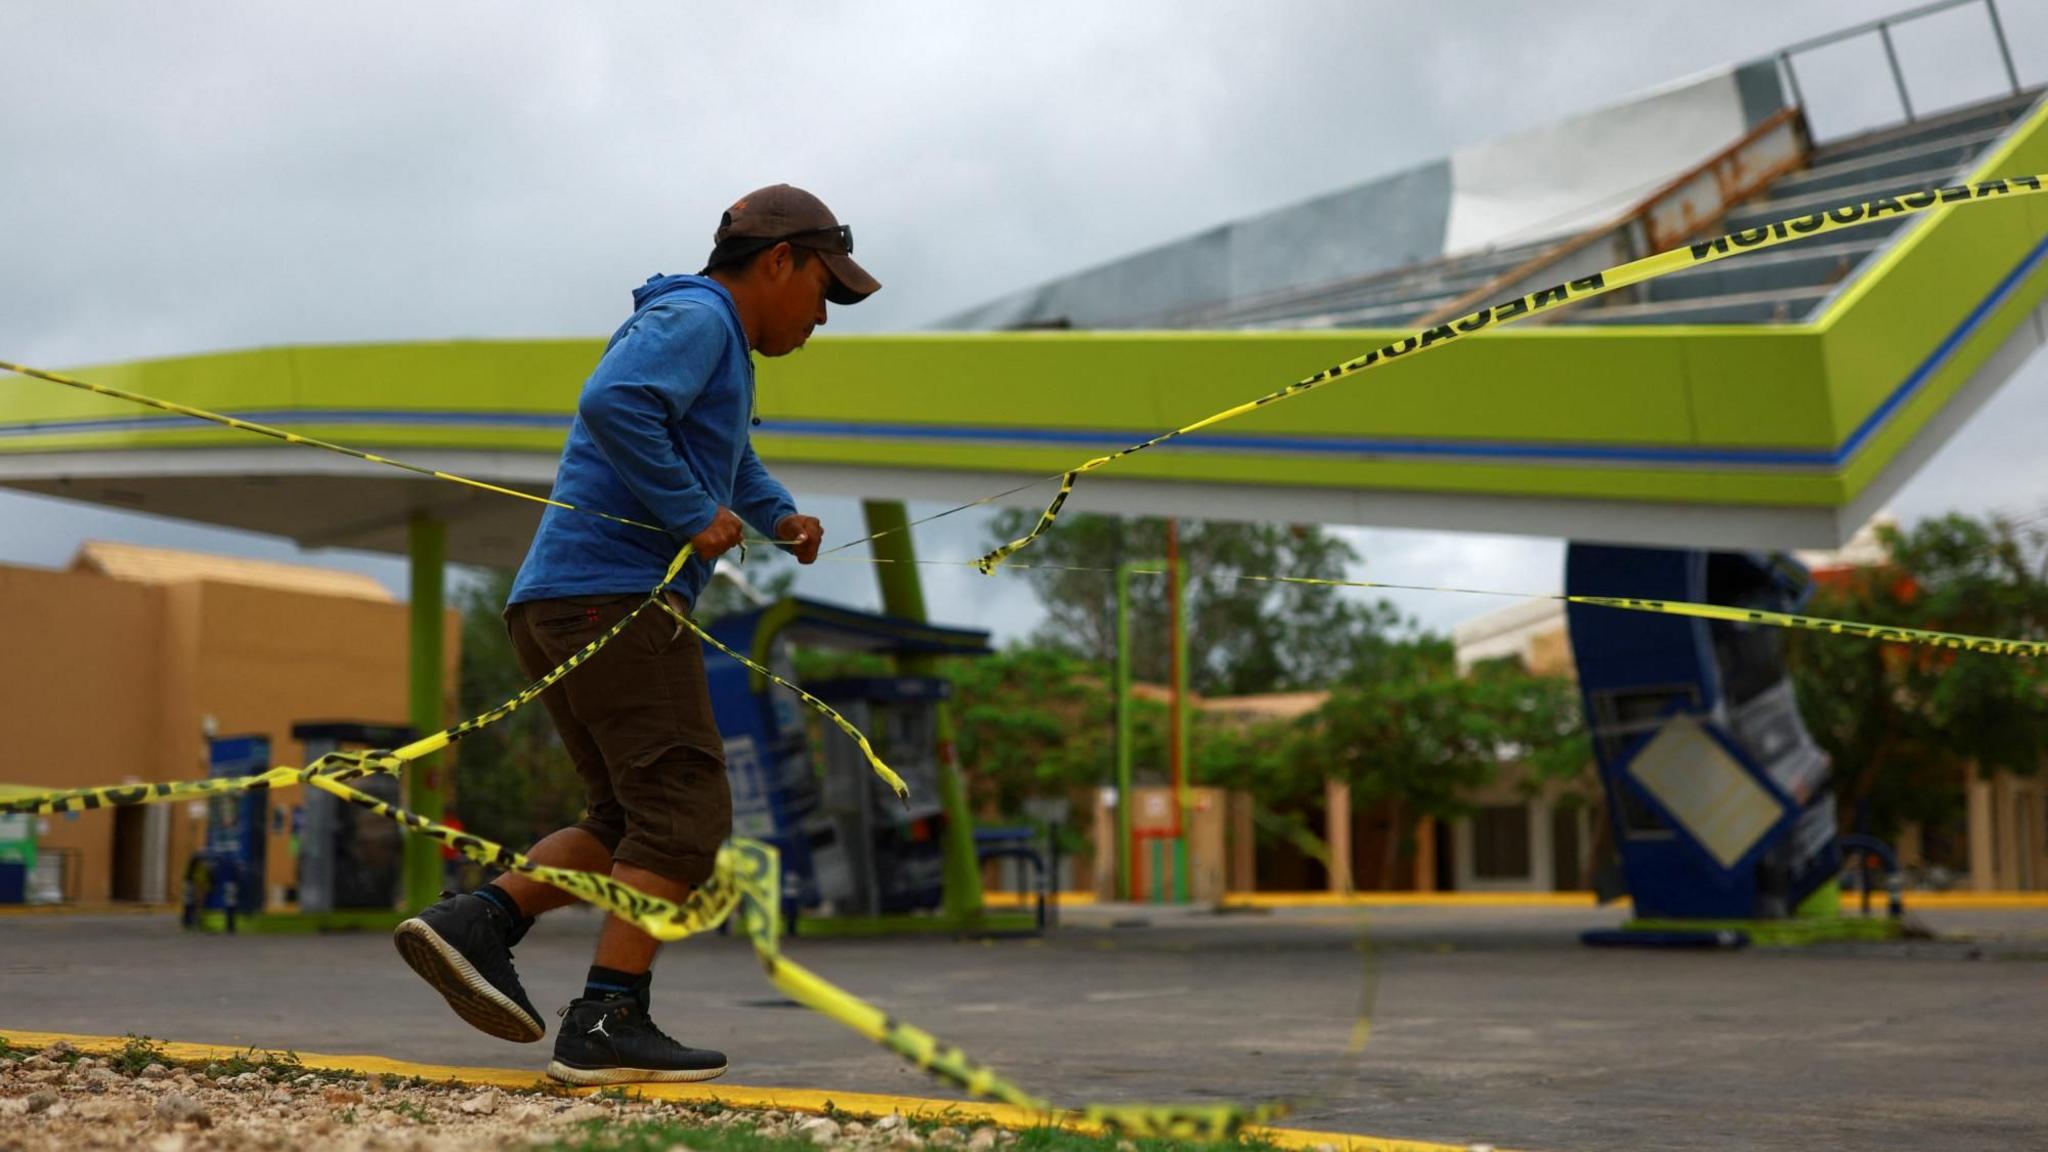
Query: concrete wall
[266, 659]
[1544, 850]
[109, 682]
[78, 699]
[2008, 823]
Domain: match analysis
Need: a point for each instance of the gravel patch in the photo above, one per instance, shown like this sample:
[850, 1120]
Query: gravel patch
[59, 1099]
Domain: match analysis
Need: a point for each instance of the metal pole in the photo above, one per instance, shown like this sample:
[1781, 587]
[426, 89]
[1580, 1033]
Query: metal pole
[1884, 33]
[2012, 75]
[903, 596]
[1125, 847]
[1791, 79]
[423, 782]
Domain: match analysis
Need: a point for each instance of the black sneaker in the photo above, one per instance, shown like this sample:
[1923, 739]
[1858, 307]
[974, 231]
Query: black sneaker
[462, 945]
[613, 1041]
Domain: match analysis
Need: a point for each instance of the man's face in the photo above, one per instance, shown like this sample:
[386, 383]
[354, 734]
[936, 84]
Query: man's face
[795, 300]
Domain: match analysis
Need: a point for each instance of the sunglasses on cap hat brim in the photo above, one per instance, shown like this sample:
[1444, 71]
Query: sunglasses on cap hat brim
[834, 244]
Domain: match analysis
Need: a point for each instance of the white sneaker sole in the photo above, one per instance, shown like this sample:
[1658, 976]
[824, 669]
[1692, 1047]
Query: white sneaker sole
[485, 1008]
[587, 1077]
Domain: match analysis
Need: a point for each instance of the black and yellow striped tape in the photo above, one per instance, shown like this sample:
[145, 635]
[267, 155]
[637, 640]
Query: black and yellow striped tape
[746, 874]
[1548, 299]
[1887, 633]
[746, 878]
[251, 426]
[867, 750]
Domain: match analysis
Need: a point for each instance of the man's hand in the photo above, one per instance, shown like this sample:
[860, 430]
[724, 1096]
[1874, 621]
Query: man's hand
[803, 533]
[720, 537]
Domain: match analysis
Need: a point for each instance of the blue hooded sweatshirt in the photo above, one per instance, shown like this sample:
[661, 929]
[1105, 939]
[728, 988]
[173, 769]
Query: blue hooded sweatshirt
[660, 436]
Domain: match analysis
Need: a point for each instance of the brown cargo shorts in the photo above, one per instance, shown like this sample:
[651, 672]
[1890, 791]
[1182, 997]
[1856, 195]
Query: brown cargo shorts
[636, 719]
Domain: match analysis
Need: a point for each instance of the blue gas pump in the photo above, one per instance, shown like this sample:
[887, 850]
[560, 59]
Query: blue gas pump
[348, 859]
[225, 875]
[1716, 793]
[873, 854]
[842, 848]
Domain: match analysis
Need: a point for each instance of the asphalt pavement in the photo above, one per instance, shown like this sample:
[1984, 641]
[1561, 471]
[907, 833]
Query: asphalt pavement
[1487, 1025]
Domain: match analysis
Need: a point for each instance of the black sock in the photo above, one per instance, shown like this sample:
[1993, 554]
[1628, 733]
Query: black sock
[603, 982]
[503, 900]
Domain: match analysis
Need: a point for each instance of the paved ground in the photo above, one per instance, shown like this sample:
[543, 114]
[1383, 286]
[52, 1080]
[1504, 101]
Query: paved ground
[1489, 1025]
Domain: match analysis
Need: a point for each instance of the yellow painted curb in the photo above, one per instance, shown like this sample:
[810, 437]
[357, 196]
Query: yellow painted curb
[1029, 900]
[1409, 899]
[736, 1096]
[1961, 900]
[1929, 901]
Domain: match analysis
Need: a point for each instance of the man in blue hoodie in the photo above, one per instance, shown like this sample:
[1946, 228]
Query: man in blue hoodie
[660, 437]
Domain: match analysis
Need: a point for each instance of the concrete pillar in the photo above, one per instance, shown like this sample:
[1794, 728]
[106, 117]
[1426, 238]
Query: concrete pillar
[1425, 856]
[2005, 819]
[1542, 851]
[1911, 846]
[425, 783]
[1983, 833]
[1244, 859]
[1337, 833]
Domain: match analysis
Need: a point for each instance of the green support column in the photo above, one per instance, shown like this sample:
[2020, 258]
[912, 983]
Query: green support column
[903, 596]
[1124, 800]
[1181, 721]
[424, 782]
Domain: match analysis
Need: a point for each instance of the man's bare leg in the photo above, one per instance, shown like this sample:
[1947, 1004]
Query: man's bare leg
[568, 848]
[622, 947]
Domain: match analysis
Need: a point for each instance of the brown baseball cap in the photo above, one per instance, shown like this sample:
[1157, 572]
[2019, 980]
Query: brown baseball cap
[768, 216]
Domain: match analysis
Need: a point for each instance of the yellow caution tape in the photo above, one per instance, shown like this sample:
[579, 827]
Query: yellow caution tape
[1599, 283]
[1990, 645]
[887, 774]
[746, 877]
[662, 919]
[1987, 644]
[1889, 633]
[1547, 299]
[746, 873]
[178, 409]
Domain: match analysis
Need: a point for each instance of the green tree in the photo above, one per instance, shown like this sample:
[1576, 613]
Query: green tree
[1272, 760]
[514, 782]
[1421, 743]
[1904, 724]
[1243, 636]
[1030, 722]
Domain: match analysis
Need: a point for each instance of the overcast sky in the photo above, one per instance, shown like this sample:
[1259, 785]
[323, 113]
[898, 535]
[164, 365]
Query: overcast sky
[193, 177]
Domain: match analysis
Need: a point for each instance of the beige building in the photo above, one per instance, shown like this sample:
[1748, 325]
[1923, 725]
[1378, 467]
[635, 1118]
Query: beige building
[122, 665]
[1516, 841]
[2007, 845]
